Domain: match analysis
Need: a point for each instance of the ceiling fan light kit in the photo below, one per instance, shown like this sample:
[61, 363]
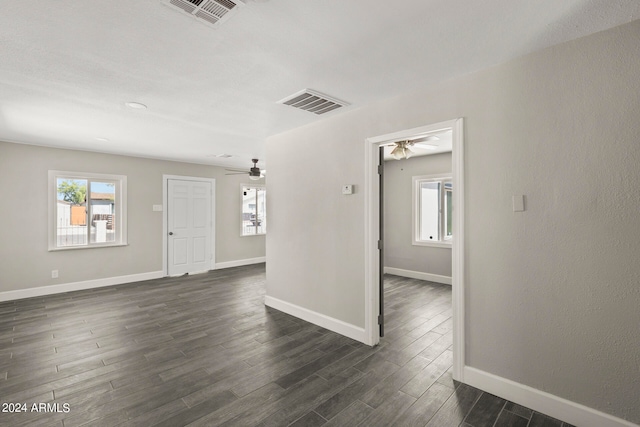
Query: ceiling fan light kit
[254, 174]
[401, 150]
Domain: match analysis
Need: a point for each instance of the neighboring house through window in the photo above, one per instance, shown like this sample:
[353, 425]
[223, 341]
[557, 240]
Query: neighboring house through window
[86, 210]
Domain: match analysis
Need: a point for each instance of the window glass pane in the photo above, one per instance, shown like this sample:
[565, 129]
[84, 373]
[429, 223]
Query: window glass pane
[248, 209]
[102, 209]
[254, 212]
[71, 212]
[449, 212]
[429, 210]
[261, 209]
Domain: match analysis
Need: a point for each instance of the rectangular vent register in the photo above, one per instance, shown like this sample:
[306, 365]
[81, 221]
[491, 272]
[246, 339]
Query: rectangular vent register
[210, 12]
[313, 102]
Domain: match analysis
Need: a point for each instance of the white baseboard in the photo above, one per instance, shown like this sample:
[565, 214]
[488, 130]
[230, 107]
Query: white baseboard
[77, 286]
[316, 318]
[543, 402]
[240, 262]
[109, 281]
[418, 275]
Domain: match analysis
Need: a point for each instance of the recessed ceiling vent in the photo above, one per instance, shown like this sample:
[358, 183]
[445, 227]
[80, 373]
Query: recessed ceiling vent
[312, 101]
[212, 12]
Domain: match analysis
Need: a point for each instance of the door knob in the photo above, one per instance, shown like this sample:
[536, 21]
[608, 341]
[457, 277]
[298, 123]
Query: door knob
[171, 233]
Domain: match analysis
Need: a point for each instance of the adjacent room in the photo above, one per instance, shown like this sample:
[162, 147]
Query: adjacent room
[277, 212]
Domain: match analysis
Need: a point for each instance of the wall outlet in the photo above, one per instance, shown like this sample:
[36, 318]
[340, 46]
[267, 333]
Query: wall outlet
[54, 274]
[347, 189]
[157, 208]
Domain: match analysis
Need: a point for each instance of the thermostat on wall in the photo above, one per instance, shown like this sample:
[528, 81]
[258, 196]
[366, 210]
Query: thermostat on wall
[347, 189]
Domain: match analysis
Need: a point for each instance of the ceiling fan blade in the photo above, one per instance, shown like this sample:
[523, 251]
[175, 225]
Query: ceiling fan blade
[237, 173]
[237, 170]
[415, 142]
[426, 146]
[427, 139]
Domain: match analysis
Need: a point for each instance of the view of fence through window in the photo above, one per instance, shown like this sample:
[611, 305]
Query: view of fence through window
[254, 211]
[85, 212]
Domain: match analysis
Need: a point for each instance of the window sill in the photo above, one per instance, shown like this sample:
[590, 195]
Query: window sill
[73, 248]
[253, 235]
[435, 244]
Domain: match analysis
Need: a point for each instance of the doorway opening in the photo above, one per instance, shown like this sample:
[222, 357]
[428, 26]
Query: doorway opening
[374, 232]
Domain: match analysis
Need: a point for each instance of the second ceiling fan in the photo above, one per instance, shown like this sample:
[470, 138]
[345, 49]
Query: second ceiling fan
[401, 148]
[254, 172]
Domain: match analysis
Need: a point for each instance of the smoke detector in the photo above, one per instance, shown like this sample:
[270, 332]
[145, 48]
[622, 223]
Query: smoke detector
[210, 12]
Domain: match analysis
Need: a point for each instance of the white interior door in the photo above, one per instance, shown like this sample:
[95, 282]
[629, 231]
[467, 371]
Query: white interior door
[189, 226]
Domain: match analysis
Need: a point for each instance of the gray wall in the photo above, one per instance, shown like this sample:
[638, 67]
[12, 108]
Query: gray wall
[398, 226]
[552, 293]
[25, 261]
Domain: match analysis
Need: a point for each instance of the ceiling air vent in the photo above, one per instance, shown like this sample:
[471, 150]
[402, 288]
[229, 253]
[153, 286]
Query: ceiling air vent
[207, 11]
[312, 101]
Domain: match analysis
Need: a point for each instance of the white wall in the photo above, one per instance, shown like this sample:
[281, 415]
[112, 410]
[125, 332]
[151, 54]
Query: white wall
[399, 251]
[552, 293]
[25, 262]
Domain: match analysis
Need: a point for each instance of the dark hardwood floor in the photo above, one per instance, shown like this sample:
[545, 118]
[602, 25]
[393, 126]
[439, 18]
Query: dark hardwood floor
[204, 351]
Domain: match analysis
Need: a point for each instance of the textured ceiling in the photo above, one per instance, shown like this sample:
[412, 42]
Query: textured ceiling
[67, 67]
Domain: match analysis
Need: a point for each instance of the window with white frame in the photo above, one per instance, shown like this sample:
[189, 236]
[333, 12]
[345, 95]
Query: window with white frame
[432, 210]
[254, 210]
[86, 210]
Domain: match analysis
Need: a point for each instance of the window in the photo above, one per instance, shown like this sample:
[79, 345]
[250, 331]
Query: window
[432, 210]
[86, 210]
[254, 210]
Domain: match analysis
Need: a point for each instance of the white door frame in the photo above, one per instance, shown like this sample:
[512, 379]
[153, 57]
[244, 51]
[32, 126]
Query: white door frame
[372, 234]
[165, 212]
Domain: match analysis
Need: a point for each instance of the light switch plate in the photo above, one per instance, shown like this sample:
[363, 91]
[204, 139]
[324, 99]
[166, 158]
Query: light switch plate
[157, 208]
[518, 203]
[347, 189]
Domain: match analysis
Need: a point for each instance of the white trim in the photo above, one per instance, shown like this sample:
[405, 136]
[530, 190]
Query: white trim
[78, 286]
[240, 262]
[418, 275]
[434, 244]
[94, 246]
[541, 401]
[371, 233]
[457, 252]
[371, 236]
[316, 318]
[165, 247]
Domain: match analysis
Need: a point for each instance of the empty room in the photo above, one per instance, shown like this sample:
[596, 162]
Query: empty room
[327, 213]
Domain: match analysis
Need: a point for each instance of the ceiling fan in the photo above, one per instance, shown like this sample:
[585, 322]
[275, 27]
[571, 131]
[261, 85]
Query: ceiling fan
[254, 173]
[401, 148]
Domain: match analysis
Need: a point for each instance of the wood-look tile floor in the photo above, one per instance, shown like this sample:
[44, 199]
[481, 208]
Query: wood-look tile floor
[203, 350]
